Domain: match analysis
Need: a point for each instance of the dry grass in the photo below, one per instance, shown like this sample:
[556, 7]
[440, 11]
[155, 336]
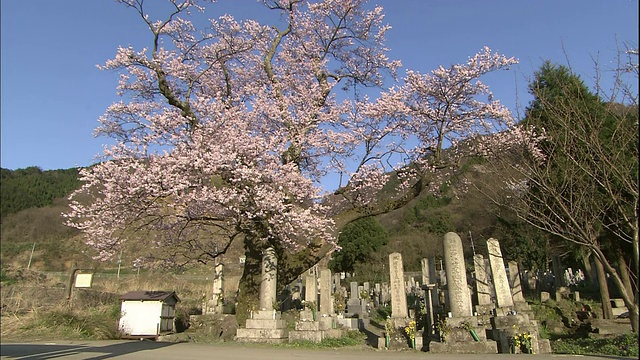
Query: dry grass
[35, 306]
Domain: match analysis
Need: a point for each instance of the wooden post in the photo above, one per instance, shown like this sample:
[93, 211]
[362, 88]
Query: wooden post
[72, 276]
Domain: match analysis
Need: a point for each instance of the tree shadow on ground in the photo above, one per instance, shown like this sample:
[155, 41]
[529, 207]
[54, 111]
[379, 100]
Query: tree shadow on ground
[43, 351]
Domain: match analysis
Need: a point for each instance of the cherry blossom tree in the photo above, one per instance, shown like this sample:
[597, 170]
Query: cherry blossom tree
[224, 133]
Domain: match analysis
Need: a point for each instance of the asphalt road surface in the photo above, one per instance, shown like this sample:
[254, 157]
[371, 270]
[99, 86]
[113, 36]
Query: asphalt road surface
[143, 350]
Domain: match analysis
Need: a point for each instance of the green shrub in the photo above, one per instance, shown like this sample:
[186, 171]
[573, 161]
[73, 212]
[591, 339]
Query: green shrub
[383, 312]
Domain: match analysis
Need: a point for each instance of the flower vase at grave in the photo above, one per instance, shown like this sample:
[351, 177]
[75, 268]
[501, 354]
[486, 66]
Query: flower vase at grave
[525, 350]
[413, 343]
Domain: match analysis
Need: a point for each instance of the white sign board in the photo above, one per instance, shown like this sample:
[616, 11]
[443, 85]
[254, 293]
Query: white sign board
[84, 280]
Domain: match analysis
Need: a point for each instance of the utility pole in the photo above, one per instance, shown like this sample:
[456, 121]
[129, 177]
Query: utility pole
[31, 256]
[119, 262]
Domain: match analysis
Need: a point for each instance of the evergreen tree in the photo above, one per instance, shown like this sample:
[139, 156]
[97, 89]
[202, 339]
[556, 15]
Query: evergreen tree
[359, 239]
[584, 189]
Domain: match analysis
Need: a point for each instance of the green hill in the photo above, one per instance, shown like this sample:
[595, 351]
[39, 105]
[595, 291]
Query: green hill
[31, 187]
[33, 201]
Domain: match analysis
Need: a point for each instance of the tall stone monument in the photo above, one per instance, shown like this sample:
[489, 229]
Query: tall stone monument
[326, 300]
[214, 304]
[398, 297]
[268, 280]
[460, 338]
[457, 289]
[266, 325]
[500, 280]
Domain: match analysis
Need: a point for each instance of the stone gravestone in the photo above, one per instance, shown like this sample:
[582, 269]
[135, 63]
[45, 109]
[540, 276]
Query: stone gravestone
[336, 283]
[311, 291]
[482, 284]
[385, 294]
[376, 295]
[500, 280]
[268, 281]
[457, 289]
[459, 338]
[354, 306]
[514, 280]
[326, 300]
[398, 298]
[296, 297]
[430, 277]
[214, 304]
[492, 289]
[316, 327]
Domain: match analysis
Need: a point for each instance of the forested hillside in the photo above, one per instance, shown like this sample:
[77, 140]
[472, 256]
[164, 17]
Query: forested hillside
[32, 187]
[33, 201]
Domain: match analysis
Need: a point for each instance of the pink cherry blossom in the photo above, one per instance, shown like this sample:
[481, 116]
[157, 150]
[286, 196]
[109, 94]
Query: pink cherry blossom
[227, 131]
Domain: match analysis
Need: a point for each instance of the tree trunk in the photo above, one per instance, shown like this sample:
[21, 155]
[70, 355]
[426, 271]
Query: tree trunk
[607, 313]
[633, 316]
[626, 280]
[629, 300]
[624, 273]
[248, 296]
[588, 268]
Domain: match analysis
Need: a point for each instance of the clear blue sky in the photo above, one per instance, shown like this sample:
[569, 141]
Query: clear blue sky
[52, 92]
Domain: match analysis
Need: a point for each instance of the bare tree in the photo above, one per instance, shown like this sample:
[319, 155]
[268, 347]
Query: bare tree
[578, 179]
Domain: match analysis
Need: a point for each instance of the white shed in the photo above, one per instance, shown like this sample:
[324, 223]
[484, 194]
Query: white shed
[147, 313]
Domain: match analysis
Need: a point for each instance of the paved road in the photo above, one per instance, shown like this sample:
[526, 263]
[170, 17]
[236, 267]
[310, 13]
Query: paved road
[142, 350]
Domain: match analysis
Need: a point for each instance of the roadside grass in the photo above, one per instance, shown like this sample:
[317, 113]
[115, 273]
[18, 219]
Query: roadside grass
[620, 345]
[64, 323]
[349, 338]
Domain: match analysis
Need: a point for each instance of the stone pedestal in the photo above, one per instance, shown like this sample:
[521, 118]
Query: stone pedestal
[480, 347]
[505, 327]
[352, 323]
[460, 340]
[314, 331]
[264, 326]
